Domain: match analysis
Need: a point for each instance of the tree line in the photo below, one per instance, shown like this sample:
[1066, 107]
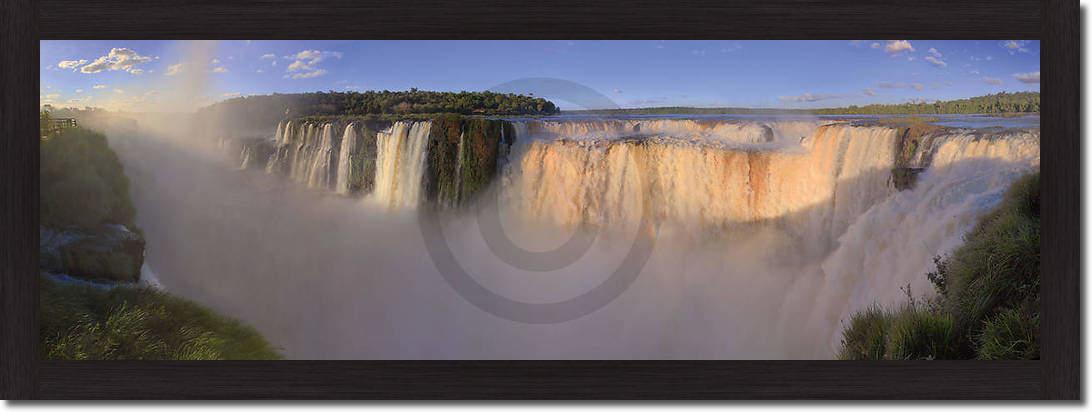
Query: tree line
[1020, 102]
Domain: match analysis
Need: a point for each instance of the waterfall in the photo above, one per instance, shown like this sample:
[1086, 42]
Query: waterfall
[323, 162]
[344, 162]
[772, 233]
[818, 185]
[891, 246]
[400, 164]
[307, 153]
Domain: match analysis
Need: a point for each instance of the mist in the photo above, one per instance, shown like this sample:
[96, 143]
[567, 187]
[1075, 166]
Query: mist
[758, 254]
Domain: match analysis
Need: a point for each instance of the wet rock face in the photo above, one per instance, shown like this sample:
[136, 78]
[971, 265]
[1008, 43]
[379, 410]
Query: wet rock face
[108, 253]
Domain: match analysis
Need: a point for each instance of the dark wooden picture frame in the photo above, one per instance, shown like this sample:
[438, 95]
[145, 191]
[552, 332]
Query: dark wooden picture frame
[1055, 22]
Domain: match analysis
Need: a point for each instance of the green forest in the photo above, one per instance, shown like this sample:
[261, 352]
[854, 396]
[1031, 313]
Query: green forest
[1021, 102]
[260, 111]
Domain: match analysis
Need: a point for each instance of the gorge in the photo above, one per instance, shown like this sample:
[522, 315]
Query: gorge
[769, 233]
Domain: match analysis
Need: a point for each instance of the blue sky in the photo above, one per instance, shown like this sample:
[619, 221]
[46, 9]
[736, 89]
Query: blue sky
[147, 75]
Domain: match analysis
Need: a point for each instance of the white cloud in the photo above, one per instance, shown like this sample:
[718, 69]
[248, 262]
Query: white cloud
[173, 69]
[214, 61]
[79, 90]
[992, 80]
[260, 71]
[935, 52]
[297, 65]
[935, 61]
[808, 97]
[869, 92]
[137, 71]
[918, 86]
[1029, 78]
[1016, 46]
[305, 63]
[122, 59]
[231, 95]
[71, 64]
[268, 56]
[875, 45]
[119, 91]
[307, 75]
[99, 86]
[220, 69]
[898, 46]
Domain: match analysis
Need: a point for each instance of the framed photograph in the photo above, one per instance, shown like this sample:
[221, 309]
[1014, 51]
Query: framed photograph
[408, 200]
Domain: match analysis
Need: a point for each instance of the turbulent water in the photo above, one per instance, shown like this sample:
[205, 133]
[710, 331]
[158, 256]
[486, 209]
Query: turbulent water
[769, 233]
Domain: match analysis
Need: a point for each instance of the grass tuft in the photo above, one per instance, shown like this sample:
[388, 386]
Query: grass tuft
[83, 322]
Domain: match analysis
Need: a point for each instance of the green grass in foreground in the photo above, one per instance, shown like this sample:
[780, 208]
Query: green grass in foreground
[987, 304]
[81, 322]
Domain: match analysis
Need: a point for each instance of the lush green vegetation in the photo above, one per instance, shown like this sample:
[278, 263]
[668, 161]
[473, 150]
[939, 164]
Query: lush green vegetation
[462, 156]
[987, 304]
[1021, 102]
[259, 111]
[82, 182]
[81, 322]
[84, 186]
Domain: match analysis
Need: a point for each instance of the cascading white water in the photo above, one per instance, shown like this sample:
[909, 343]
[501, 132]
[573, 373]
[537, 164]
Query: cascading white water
[815, 186]
[855, 239]
[767, 244]
[712, 132]
[344, 162]
[400, 164]
[891, 246]
[307, 153]
[323, 162]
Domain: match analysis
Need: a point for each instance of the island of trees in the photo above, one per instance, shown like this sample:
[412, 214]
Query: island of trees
[260, 111]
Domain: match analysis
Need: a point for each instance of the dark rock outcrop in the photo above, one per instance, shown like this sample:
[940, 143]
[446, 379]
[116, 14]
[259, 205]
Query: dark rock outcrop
[109, 253]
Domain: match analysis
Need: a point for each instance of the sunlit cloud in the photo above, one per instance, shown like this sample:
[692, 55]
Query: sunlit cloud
[1016, 46]
[305, 63]
[306, 75]
[71, 64]
[898, 46]
[1029, 78]
[119, 59]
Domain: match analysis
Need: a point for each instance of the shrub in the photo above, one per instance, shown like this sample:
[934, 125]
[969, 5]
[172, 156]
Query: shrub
[82, 182]
[866, 336]
[998, 265]
[988, 294]
[917, 333]
[1010, 335]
